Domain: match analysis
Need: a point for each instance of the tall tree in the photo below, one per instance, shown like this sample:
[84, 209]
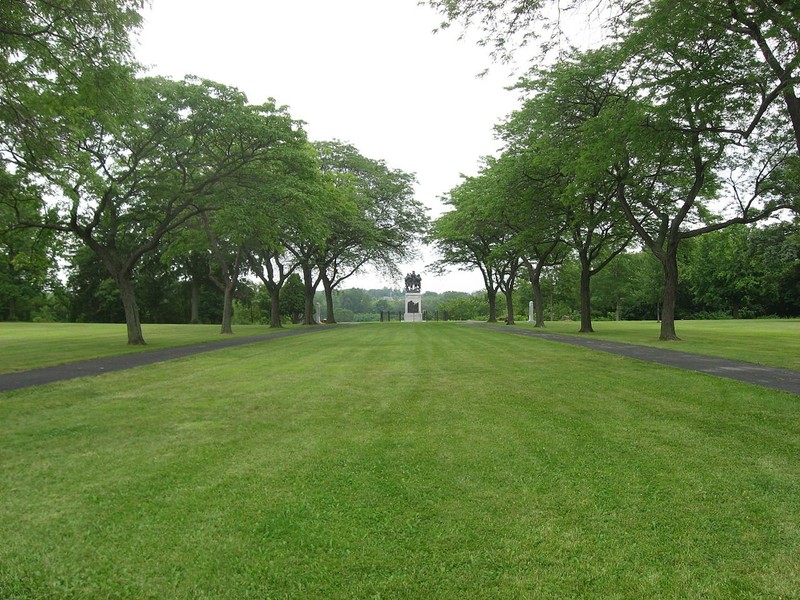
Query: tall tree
[274, 268]
[374, 218]
[466, 239]
[531, 208]
[704, 175]
[27, 257]
[293, 298]
[275, 202]
[559, 126]
[123, 186]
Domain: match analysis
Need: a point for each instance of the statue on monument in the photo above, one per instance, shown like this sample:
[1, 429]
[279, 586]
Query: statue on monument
[413, 282]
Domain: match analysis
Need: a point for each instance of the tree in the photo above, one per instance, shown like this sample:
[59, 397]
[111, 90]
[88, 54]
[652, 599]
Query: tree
[192, 266]
[293, 298]
[356, 300]
[466, 239]
[557, 128]
[775, 251]
[697, 152]
[273, 268]
[530, 203]
[745, 270]
[715, 72]
[465, 307]
[720, 273]
[27, 257]
[373, 219]
[123, 185]
[94, 298]
[230, 259]
[60, 61]
[278, 205]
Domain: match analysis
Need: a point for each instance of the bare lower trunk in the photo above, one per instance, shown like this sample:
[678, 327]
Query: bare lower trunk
[510, 307]
[538, 304]
[492, 295]
[308, 288]
[227, 310]
[670, 300]
[329, 316]
[132, 321]
[275, 309]
[586, 301]
[194, 316]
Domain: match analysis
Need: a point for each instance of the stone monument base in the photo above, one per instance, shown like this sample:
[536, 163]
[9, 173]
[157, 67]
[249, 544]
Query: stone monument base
[413, 305]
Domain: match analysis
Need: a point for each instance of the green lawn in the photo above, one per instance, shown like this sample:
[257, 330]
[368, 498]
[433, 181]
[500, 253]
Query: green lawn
[773, 342]
[400, 461]
[31, 345]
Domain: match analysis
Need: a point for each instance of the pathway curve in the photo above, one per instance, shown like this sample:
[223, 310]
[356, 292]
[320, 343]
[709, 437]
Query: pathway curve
[98, 366]
[775, 378]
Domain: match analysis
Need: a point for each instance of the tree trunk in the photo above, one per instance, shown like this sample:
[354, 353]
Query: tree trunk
[194, 316]
[227, 309]
[326, 284]
[535, 276]
[538, 302]
[308, 309]
[134, 325]
[510, 307]
[586, 300]
[670, 299]
[492, 296]
[275, 308]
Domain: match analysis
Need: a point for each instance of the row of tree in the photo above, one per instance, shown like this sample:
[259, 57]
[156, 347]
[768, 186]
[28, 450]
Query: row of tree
[684, 122]
[104, 167]
[740, 271]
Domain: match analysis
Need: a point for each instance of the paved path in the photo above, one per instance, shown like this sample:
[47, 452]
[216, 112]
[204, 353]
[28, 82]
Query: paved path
[779, 379]
[784, 380]
[23, 379]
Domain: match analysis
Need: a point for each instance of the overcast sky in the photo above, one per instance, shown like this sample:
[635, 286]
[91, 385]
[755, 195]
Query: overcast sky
[367, 72]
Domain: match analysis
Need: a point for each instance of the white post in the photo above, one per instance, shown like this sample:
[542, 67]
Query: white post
[530, 312]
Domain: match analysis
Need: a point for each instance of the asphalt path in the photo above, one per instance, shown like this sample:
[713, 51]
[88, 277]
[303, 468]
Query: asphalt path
[775, 378]
[98, 366]
[784, 380]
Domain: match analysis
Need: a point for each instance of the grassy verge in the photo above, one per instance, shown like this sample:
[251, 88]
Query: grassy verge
[773, 342]
[400, 461]
[31, 345]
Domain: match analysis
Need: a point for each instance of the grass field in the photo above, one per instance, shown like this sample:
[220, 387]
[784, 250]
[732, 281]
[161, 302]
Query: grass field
[31, 345]
[400, 461]
[773, 342]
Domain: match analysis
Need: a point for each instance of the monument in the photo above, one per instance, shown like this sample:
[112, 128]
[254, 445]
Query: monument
[413, 303]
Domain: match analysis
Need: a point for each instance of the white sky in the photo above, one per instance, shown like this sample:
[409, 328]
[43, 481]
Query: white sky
[367, 72]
